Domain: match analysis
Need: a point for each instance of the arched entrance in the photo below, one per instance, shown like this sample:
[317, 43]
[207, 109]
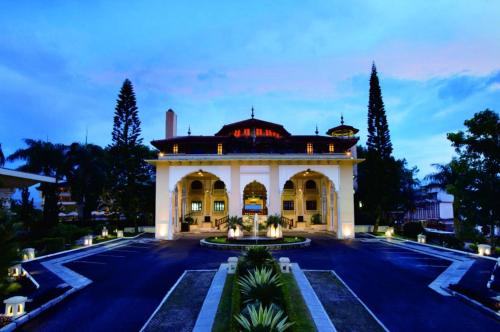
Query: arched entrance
[201, 199]
[254, 199]
[308, 200]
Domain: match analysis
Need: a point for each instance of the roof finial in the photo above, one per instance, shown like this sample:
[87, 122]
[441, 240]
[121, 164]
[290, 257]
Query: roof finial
[316, 131]
[189, 130]
[252, 112]
[341, 118]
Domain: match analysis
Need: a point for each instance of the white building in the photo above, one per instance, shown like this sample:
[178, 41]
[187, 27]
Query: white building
[255, 166]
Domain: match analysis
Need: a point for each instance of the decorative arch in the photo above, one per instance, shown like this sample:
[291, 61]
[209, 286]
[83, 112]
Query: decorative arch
[332, 172]
[177, 173]
[289, 185]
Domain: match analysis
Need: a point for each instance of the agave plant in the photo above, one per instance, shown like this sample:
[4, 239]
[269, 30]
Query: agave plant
[264, 319]
[260, 286]
[256, 257]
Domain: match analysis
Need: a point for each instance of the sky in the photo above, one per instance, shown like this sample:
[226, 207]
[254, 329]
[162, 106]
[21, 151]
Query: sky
[298, 63]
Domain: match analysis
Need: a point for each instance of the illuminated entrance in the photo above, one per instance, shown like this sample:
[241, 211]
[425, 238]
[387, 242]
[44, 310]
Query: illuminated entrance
[255, 199]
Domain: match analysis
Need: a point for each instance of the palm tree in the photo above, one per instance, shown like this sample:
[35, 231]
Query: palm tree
[2, 157]
[47, 159]
[86, 175]
[447, 178]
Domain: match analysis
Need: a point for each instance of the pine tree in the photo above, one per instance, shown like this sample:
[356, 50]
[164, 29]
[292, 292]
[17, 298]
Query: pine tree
[2, 157]
[129, 172]
[379, 139]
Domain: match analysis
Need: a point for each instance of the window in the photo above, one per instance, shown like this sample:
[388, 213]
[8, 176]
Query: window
[219, 148]
[289, 185]
[196, 185]
[311, 205]
[219, 206]
[258, 132]
[288, 205]
[309, 148]
[196, 206]
[246, 132]
[175, 149]
[219, 185]
[310, 184]
[331, 148]
[237, 133]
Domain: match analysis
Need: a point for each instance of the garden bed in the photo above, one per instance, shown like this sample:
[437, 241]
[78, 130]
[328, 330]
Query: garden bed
[287, 242]
[344, 309]
[289, 300]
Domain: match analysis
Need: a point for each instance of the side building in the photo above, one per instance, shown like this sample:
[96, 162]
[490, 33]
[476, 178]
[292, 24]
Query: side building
[256, 167]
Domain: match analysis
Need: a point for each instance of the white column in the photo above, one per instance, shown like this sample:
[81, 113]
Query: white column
[345, 203]
[233, 194]
[163, 203]
[274, 196]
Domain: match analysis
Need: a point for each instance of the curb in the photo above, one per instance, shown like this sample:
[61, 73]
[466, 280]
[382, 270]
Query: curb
[277, 246]
[208, 311]
[320, 317]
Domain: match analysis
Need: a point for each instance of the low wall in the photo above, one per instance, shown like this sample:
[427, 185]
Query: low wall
[368, 228]
[142, 229]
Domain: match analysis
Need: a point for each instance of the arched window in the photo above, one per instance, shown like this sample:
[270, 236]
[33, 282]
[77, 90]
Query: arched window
[219, 185]
[310, 184]
[289, 185]
[196, 185]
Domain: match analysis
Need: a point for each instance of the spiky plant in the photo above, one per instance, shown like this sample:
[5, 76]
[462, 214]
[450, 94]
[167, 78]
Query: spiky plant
[256, 257]
[267, 319]
[261, 286]
[234, 221]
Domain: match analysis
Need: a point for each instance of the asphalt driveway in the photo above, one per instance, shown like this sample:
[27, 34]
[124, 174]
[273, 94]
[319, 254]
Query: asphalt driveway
[130, 281]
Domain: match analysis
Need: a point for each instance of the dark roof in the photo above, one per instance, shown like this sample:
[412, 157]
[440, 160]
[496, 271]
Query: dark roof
[342, 128]
[228, 129]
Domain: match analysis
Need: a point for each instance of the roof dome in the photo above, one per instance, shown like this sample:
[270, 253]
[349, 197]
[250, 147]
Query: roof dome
[343, 130]
[253, 127]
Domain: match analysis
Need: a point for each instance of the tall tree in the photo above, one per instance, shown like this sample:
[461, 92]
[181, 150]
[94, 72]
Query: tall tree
[129, 171]
[8, 249]
[479, 149]
[86, 175]
[47, 159]
[382, 180]
[379, 139]
[2, 157]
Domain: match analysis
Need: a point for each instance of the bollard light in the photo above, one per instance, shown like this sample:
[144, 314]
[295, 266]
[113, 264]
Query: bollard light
[104, 232]
[421, 238]
[15, 306]
[28, 253]
[119, 233]
[284, 264]
[232, 262]
[484, 249]
[87, 240]
[388, 233]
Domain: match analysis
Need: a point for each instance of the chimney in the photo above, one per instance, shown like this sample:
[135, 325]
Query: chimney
[170, 124]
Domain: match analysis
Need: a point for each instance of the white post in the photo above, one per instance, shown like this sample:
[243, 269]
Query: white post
[284, 264]
[232, 262]
[163, 202]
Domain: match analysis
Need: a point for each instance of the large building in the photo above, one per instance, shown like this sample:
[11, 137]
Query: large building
[256, 167]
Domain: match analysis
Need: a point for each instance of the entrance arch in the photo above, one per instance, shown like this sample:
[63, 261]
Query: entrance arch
[309, 200]
[254, 199]
[200, 197]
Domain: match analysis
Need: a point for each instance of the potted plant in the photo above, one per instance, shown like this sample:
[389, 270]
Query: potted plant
[185, 224]
[274, 226]
[234, 227]
[316, 222]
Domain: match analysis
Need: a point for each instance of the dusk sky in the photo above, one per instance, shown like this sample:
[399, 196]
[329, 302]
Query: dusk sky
[299, 63]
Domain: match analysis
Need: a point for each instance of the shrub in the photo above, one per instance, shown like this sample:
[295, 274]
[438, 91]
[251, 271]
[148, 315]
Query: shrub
[261, 286]
[49, 245]
[255, 257]
[264, 319]
[473, 247]
[446, 240]
[234, 221]
[188, 220]
[69, 232]
[274, 220]
[412, 229]
[316, 219]
[4, 320]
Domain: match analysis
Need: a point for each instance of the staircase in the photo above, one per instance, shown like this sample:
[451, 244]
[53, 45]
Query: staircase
[286, 222]
[221, 221]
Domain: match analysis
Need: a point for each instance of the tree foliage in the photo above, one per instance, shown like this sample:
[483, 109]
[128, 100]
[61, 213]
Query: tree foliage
[2, 156]
[130, 178]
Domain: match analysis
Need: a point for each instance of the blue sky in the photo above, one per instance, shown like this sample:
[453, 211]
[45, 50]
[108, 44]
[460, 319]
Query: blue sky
[300, 63]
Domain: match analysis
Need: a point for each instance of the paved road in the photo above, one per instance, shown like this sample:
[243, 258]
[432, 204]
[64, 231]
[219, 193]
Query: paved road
[129, 282]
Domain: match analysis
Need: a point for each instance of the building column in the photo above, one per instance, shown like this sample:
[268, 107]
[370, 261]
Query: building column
[345, 202]
[163, 203]
[274, 196]
[233, 193]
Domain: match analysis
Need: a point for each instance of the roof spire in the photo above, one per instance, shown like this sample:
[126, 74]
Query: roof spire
[189, 130]
[316, 131]
[252, 112]
[341, 118]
